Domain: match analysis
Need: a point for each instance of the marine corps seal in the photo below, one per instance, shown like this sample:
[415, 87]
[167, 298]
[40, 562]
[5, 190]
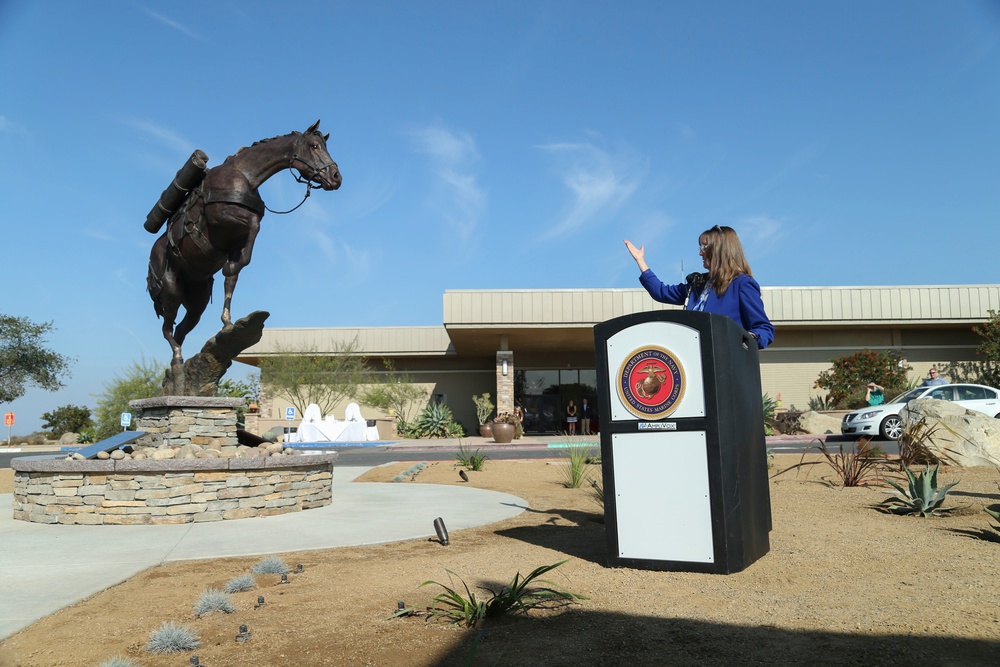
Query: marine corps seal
[651, 382]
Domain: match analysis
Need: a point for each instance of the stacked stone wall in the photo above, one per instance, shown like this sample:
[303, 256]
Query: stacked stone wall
[130, 492]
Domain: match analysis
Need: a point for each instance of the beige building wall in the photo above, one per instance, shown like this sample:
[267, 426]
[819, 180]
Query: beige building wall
[553, 329]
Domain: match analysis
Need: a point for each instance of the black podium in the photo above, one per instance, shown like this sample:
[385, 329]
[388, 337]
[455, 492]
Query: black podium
[682, 443]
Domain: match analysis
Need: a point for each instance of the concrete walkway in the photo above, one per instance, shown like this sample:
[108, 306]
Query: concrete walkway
[44, 568]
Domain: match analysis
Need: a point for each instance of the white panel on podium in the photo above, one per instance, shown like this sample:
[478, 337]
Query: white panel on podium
[682, 341]
[662, 496]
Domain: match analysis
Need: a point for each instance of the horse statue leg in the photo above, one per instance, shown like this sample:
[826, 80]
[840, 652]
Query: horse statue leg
[196, 298]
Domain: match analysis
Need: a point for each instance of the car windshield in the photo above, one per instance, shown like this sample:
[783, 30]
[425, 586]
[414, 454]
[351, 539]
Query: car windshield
[908, 396]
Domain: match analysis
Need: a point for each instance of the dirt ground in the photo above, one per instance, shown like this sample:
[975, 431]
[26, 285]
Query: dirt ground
[843, 584]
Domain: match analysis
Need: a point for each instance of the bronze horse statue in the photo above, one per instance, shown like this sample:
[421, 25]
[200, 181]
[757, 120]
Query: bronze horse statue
[217, 222]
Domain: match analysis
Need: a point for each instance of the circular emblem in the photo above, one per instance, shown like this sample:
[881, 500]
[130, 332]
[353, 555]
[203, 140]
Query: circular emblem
[651, 382]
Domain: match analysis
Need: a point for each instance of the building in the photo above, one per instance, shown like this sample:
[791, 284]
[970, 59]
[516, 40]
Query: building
[538, 346]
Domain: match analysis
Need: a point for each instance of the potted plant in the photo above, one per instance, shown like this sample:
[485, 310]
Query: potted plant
[484, 408]
[504, 428]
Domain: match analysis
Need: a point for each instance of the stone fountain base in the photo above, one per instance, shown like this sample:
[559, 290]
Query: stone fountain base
[188, 468]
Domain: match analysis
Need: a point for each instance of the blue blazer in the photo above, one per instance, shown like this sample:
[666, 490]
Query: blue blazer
[741, 302]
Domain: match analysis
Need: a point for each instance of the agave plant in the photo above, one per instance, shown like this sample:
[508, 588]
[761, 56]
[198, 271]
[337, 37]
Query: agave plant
[435, 421]
[923, 497]
[996, 516]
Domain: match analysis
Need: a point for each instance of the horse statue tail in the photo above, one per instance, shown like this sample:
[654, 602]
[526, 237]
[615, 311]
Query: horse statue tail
[188, 178]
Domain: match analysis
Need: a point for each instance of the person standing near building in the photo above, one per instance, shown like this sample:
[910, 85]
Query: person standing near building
[585, 415]
[571, 417]
[933, 379]
[874, 394]
[727, 288]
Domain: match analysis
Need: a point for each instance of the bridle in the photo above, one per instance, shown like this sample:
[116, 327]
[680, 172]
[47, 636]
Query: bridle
[311, 181]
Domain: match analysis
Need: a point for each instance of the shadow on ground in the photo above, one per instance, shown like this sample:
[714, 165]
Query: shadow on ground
[578, 638]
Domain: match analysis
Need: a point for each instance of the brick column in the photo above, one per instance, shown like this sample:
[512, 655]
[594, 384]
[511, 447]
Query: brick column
[505, 383]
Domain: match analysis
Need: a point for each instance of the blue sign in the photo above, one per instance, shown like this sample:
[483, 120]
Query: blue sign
[126, 419]
[290, 414]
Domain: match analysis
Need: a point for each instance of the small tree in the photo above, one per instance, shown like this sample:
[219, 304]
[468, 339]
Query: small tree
[305, 375]
[143, 379]
[24, 359]
[988, 370]
[847, 379]
[396, 395]
[67, 419]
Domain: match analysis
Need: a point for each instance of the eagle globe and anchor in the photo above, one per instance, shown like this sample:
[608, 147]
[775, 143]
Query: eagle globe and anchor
[651, 382]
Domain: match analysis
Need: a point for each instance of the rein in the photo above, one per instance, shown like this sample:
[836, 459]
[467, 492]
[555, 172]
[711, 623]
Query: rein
[308, 180]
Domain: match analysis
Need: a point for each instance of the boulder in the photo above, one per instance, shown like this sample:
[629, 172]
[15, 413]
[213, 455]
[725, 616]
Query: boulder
[817, 423]
[963, 437]
[68, 438]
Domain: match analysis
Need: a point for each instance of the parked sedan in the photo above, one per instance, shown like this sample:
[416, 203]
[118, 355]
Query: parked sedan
[885, 420]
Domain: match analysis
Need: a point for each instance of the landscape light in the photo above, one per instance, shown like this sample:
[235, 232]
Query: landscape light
[441, 531]
[400, 605]
[260, 601]
[194, 661]
[298, 568]
[244, 635]
[284, 579]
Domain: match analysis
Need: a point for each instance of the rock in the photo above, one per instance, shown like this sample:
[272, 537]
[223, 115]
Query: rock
[188, 451]
[68, 438]
[963, 437]
[164, 454]
[77, 456]
[818, 423]
[103, 456]
[139, 456]
[118, 455]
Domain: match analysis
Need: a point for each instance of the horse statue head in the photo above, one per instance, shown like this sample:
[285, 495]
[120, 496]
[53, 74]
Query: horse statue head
[312, 161]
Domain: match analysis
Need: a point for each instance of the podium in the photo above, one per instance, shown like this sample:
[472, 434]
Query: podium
[682, 443]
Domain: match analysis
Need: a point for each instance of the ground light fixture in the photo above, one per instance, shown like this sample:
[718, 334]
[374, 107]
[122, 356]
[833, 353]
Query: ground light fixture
[194, 661]
[298, 568]
[461, 473]
[441, 530]
[244, 634]
[284, 578]
[260, 602]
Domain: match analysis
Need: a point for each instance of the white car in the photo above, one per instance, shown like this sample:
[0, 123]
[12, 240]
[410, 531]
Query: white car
[885, 420]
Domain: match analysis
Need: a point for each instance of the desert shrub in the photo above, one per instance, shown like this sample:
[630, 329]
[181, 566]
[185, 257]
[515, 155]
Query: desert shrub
[471, 460]
[410, 473]
[213, 600]
[921, 497]
[119, 661]
[484, 407]
[861, 465]
[520, 595]
[243, 582]
[788, 421]
[913, 448]
[846, 380]
[170, 638]
[771, 406]
[578, 471]
[270, 565]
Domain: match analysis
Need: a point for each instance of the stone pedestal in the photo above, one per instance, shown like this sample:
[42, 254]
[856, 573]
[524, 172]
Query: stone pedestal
[176, 421]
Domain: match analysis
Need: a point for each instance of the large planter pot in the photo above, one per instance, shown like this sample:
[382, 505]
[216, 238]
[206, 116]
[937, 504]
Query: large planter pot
[486, 430]
[503, 433]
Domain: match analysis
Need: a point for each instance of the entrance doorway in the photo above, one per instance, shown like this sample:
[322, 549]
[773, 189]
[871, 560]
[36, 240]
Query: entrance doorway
[544, 395]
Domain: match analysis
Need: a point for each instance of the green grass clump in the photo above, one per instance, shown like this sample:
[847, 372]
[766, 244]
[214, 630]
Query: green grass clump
[119, 661]
[270, 565]
[243, 582]
[170, 638]
[213, 600]
[578, 471]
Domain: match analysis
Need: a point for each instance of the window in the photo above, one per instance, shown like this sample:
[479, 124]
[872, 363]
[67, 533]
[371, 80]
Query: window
[943, 394]
[969, 393]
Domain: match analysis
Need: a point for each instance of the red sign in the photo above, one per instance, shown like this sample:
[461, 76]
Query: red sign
[8, 419]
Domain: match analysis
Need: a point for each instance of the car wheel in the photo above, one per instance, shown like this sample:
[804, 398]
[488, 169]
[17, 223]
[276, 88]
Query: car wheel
[891, 427]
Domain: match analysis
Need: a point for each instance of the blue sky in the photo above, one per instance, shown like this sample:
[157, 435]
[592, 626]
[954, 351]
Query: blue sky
[849, 143]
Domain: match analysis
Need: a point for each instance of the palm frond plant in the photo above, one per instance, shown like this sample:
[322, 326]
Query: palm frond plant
[471, 460]
[921, 497]
[522, 595]
[913, 444]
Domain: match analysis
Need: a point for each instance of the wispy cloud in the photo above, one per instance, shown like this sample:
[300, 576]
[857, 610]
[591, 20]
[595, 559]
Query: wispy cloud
[457, 194]
[165, 135]
[761, 234]
[598, 182]
[349, 259]
[179, 27]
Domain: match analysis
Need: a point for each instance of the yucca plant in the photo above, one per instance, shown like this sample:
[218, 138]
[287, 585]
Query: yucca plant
[471, 460]
[771, 406]
[996, 516]
[922, 497]
[517, 596]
